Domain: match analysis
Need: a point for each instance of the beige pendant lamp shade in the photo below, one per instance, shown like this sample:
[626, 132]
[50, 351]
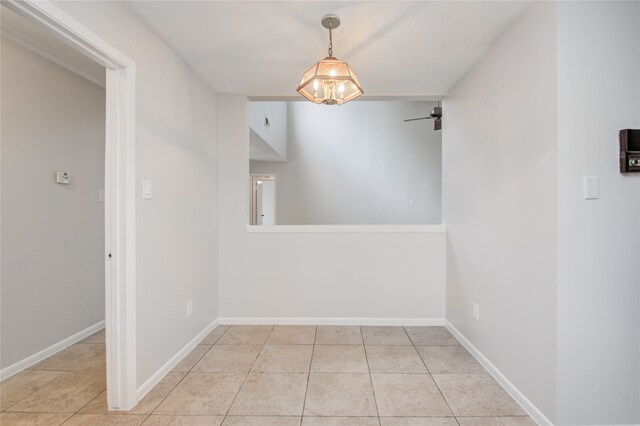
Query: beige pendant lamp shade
[330, 81]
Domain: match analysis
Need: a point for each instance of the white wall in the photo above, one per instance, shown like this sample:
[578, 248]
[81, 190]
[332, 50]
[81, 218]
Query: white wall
[359, 164]
[314, 275]
[599, 240]
[176, 149]
[52, 235]
[552, 267]
[276, 135]
[500, 204]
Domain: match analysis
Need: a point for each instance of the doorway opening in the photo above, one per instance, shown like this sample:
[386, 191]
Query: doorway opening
[119, 198]
[263, 200]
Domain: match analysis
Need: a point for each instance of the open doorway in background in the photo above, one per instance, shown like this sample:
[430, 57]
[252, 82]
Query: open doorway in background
[263, 199]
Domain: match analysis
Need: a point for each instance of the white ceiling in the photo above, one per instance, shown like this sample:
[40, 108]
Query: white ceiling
[412, 49]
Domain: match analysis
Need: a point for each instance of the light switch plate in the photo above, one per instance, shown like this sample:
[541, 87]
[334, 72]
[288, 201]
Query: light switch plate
[591, 187]
[146, 189]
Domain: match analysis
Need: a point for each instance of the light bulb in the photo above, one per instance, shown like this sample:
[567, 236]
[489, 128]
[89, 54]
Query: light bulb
[341, 88]
[332, 73]
[315, 84]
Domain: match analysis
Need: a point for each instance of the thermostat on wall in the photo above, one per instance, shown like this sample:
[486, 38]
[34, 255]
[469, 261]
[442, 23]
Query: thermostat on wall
[63, 178]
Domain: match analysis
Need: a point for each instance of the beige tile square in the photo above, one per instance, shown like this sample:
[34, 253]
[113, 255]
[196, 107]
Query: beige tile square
[383, 335]
[496, 421]
[32, 419]
[213, 337]
[228, 359]
[105, 420]
[476, 395]
[292, 335]
[261, 421]
[284, 359]
[192, 358]
[202, 394]
[97, 363]
[69, 358]
[97, 337]
[340, 395]
[340, 421]
[414, 395]
[23, 384]
[157, 420]
[339, 359]
[66, 394]
[245, 335]
[394, 359]
[418, 421]
[449, 359]
[339, 335]
[425, 336]
[277, 394]
[146, 405]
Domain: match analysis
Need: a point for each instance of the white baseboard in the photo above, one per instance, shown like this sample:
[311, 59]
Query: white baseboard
[332, 321]
[51, 350]
[518, 396]
[168, 366]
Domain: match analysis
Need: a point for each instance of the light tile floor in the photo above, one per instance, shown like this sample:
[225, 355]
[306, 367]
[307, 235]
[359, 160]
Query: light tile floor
[278, 375]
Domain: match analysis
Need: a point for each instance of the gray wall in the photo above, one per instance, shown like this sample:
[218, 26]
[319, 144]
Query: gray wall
[52, 235]
[358, 164]
[599, 240]
[500, 204]
[276, 135]
[556, 276]
[176, 231]
[400, 274]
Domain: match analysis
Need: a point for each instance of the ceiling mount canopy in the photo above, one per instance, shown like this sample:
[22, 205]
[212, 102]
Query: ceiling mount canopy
[330, 81]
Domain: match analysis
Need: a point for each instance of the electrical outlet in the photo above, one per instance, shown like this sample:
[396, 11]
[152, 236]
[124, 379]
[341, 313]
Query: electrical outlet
[476, 311]
[189, 308]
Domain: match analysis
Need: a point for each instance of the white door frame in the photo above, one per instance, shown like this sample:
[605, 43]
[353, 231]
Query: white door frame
[120, 241]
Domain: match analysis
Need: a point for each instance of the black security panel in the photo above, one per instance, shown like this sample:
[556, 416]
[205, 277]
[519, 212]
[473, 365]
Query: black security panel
[630, 151]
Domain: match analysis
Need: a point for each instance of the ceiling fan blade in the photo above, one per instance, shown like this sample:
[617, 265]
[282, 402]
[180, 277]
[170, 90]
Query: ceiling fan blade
[420, 118]
[437, 124]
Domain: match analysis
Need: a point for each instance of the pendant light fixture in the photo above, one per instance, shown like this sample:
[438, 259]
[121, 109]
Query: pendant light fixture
[330, 81]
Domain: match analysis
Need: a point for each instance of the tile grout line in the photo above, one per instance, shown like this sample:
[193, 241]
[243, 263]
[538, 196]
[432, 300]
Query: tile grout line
[145, 417]
[127, 413]
[89, 402]
[366, 357]
[306, 391]
[185, 375]
[431, 375]
[249, 372]
[7, 410]
[62, 372]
